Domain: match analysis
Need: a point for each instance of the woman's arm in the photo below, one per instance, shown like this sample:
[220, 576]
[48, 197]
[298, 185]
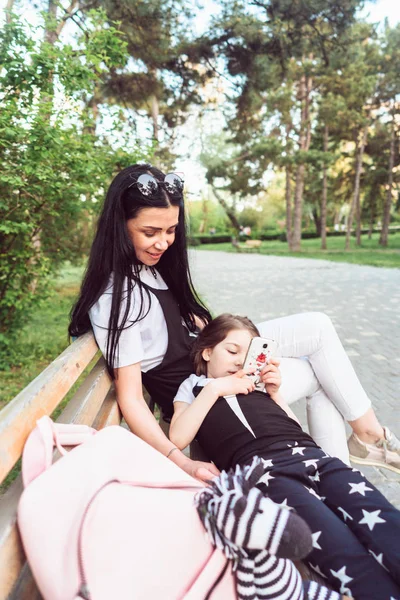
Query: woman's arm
[141, 421]
[188, 418]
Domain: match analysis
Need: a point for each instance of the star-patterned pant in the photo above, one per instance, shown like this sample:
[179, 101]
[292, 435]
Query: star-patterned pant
[356, 531]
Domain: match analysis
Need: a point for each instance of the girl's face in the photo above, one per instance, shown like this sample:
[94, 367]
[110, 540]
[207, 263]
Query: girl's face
[152, 232]
[228, 356]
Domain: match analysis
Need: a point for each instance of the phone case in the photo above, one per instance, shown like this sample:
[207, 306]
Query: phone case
[260, 351]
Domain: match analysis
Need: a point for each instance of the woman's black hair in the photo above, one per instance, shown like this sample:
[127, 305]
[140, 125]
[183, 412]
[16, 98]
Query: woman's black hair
[113, 253]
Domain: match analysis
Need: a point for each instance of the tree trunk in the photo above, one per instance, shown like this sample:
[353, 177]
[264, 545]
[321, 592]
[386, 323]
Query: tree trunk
[324, 191]
[50, 34]
[317, 221]
[372, 210]
[358, 219]
[288, 199]
[9, 7]
[154, 116]
[304, 144]
[383, 240]
[359, 157]
[229, 211]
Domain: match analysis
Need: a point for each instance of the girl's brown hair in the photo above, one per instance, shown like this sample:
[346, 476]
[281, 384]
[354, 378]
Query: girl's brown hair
[214, 333]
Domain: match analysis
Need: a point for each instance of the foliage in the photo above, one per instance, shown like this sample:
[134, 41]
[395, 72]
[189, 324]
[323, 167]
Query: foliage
[368, 254]
[54, 167]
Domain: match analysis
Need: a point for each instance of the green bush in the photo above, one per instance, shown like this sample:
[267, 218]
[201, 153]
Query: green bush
[54, 167]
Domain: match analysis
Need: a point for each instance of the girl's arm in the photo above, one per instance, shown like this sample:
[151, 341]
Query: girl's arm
[280, 401]
[188, 418]
[141, 421]
[271, 377]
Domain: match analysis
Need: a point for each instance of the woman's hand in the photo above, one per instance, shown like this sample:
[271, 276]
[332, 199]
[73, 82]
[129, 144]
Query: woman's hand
[202, 470]
[198, 469]
[270, 375]
[232, 384]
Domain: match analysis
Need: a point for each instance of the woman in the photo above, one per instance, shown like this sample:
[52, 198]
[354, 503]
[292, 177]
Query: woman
[138, 297]
[355, 529]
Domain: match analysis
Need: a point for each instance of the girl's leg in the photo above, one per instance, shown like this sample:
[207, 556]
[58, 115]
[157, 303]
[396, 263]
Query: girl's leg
[313, 335]
[337, 555]
[372, 518]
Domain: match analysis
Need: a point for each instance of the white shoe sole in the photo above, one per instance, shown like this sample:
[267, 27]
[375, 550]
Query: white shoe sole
[373, 463]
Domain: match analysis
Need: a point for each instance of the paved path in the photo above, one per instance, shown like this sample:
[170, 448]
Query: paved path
[363, 303]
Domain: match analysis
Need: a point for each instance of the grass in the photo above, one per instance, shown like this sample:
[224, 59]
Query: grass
[369, 253]
[45, 336]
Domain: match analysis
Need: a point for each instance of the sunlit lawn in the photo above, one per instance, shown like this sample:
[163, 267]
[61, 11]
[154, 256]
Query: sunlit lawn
[44, 337]
[370, 252]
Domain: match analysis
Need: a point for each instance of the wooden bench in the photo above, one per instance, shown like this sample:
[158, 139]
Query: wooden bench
[248, 246]
[93, 403]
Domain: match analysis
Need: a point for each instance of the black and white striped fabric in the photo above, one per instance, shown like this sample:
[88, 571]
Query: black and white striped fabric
[252, 532]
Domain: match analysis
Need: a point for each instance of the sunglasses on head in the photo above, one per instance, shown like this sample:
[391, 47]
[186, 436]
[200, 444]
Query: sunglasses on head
[148, 185]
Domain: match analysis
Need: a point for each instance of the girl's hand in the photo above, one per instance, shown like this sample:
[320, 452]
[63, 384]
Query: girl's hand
[270, 375]
[232, 384]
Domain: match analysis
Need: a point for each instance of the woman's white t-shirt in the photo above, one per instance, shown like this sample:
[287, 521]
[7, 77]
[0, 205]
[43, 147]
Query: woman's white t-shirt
[145, 341]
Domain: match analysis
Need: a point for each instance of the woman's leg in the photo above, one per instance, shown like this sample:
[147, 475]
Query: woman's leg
[314, 336]
[325, 423]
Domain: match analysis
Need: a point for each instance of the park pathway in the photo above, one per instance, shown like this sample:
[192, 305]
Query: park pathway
[363, 303]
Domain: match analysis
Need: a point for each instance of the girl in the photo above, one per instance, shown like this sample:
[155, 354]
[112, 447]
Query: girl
[355, 529]
[138, 297]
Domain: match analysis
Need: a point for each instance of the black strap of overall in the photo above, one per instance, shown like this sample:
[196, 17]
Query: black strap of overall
[162, 382]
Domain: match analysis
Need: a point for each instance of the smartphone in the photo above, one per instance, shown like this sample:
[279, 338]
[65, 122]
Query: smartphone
[260, 351]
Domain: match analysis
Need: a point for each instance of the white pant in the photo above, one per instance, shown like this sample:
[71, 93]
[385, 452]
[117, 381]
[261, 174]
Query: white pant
[315, 365]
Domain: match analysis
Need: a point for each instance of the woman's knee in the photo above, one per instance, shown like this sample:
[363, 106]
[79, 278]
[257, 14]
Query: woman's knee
[320, 322]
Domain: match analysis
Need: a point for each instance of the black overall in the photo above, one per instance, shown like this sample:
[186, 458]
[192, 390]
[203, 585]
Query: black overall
[162, 382]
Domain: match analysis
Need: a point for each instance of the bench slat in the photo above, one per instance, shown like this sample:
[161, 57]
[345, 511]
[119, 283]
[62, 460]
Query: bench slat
[83, 408]
[39, 398]
[109, 413]
[86, 402]
[12, 556]
[25, 588]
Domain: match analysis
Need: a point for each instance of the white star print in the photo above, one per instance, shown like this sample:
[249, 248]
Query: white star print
[267, 463]
[284, 504]
[359, 488]
[341, 575]
[313, 493]
[357, 471]
[345, 514]
[298, 450]
[314, 477]
[317, 570]
[315, 537]
[312, 461]
[371, 518]
[378, 558]
[265, 478]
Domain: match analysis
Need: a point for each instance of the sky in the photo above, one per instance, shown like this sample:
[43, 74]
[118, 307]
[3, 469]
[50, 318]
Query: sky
[190, 144]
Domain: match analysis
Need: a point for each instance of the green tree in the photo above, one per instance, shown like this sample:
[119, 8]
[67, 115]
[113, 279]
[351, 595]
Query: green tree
[54, 166]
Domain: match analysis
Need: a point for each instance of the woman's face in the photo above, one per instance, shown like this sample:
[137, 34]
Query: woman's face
[152, 232]
[228, 356]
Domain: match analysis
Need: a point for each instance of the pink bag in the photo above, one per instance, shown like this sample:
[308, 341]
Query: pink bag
[114, 518]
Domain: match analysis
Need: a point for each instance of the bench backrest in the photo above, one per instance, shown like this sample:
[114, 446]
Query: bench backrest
[93, 403]
[253, 243]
